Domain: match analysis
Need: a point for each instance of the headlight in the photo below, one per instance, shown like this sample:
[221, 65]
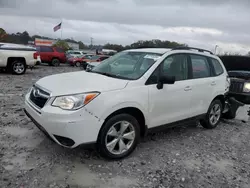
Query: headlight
[74, 102]
[246, 87]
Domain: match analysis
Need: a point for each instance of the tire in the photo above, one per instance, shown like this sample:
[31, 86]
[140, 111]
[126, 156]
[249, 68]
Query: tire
[110, 132]
[84, 65]
[18, 67]
[78, 64]
[208, 122]
[55, 62]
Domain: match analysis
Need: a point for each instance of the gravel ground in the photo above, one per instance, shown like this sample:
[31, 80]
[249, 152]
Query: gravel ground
[179, 157]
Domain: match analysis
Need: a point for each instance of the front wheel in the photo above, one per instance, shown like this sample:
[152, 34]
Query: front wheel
[213, 115]
[18, 67]
[118, 137]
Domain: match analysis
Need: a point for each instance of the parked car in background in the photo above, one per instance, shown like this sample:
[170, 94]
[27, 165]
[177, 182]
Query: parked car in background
[51, 55]
[94, 60]
[238, 68]
[114, 104]
[74, 53]
[17, 58]
[120, 64]
[77, 61]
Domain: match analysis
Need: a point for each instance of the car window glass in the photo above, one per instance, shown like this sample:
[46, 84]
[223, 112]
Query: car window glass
[217, 67]
[200, 66]
[46, 49]
[60, 50]
[103, 58]
[38, 48]
[176, 65]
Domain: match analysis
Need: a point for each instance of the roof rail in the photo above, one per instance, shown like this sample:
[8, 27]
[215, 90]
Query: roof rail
[191, 48]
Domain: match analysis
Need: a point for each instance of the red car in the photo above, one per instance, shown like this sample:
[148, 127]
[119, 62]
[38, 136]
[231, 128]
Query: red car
[52, 55]
[77, 61]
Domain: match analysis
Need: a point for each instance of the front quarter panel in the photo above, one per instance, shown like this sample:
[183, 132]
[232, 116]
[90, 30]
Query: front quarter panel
[109, 102]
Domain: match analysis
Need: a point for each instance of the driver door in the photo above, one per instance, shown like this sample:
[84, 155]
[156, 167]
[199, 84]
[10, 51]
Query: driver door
[172, 102]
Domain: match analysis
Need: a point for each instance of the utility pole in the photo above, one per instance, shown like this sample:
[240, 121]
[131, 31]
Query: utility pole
[91, 41]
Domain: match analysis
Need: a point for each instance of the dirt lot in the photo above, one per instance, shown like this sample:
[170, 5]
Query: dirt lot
[179, 157]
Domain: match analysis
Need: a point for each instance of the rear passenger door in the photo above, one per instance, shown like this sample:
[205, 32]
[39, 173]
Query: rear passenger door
[46, 53]
[202, 84]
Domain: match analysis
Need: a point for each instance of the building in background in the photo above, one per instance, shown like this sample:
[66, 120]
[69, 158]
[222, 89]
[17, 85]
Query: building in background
[48, 42]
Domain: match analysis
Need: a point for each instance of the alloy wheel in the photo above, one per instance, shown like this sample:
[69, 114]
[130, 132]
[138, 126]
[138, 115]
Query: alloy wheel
[18, 67]
[215, 113]
[120, 137]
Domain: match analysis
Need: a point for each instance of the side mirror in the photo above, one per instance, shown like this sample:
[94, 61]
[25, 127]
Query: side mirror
[165, 80]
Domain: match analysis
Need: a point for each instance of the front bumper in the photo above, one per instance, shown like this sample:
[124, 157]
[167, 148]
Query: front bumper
[66, 128]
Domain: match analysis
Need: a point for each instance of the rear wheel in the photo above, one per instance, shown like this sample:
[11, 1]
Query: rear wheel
[213, 115]
[55, 62]
[18, 67]
[78, 64]
[118, 137]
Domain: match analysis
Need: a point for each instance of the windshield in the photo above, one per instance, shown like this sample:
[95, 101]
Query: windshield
[129, 65]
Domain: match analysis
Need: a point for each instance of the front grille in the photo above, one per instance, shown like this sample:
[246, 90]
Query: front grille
[39, 97]
[236, 86]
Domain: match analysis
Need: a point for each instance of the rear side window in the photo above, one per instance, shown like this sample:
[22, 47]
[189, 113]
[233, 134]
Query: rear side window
[60, 50]
[200, 66]
[46, 49]
[218, 70]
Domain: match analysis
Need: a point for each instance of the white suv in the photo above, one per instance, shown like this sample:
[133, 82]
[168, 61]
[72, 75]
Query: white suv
[127, 95]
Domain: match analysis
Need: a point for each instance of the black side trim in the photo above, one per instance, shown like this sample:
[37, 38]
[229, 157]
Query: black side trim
[176, 124]
[64, 140]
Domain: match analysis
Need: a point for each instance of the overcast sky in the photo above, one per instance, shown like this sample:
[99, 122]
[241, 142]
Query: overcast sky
[199, 23]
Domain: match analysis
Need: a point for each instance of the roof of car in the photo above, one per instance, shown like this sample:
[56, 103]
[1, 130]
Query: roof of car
[151, 50]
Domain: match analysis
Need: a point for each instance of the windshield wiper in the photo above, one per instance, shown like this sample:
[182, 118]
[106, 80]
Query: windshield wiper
[110, 75]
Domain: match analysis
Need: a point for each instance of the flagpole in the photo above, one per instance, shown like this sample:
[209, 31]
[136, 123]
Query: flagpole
[61, 28]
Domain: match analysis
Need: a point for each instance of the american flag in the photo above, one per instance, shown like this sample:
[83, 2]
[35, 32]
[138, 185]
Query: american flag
[57, 27]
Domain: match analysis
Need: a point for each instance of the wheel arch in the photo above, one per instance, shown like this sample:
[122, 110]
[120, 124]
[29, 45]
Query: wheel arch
[133, 111]
[221, 98]
[10, 60]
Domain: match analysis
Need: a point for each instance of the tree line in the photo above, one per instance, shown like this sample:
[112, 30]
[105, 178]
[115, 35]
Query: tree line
[24, 37]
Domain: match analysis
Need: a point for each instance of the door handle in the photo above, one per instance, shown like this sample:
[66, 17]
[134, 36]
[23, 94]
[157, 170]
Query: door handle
[188, 88]
[213, 83]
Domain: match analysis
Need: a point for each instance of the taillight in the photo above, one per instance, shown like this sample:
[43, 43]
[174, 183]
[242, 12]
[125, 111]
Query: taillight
[35, 55]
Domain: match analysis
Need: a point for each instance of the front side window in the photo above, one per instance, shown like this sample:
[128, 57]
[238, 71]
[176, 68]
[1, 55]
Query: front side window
[200, 66]
[128, 65]
[177, 66]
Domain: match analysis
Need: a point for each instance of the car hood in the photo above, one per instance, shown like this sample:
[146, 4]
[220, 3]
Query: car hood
[79, 82]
